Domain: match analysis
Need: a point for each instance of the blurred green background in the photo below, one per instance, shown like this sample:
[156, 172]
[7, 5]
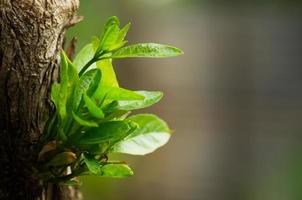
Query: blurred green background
[234, 99]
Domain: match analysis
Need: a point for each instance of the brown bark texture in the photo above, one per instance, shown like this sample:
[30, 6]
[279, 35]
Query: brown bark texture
[31, 35]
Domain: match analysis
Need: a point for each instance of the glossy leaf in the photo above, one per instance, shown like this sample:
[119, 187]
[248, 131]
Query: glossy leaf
[116, 171]
[150, 98]
[151, 134]
[117, 93]
[148, 50]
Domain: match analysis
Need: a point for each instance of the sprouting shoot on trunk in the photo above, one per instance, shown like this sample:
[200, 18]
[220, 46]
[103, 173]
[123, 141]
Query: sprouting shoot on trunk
[92, 112]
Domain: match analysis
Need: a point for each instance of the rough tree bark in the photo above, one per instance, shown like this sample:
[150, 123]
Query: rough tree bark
[31, 34]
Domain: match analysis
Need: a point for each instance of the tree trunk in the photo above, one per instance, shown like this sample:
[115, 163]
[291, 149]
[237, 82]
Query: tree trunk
[31, 35]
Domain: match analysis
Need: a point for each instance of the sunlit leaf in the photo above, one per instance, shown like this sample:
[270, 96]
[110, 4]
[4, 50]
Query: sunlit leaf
[148, 50]
[116, 171]
[116, 93]
[150, 98]
[108, 74]
[151, 134]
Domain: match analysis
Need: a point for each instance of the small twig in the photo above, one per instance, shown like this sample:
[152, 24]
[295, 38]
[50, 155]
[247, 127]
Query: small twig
[74, 21]
[70, 51]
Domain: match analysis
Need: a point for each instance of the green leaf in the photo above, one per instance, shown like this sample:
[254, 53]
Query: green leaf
[95, 41]
[150, 99]
[88, 83]
[93, 109]
[108, 132]
[116, 93]
[151, 134]
[63, 93]
[110, 38]
[84, 122]
[148, 50]
[111, 21]
[84, 56]
[73, 79]
[123, 32]
[55, 94]
[64, 69]
[116, 171]
[110, 34]
[72, 71]
[120, 38]
[92, 164]
[108, 74]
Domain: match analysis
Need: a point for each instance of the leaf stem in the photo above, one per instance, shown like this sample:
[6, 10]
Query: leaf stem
[86, 66]
[97, 57]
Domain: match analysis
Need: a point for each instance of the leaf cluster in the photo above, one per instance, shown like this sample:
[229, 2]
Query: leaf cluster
[92, 116]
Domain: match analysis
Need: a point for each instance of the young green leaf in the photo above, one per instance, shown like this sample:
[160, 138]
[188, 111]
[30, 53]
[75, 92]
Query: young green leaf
[116, 171]
[93, 109]
[123, 32]
[92, 164]
[112, 21]
[73, 79]
[147, 50]
[95, 41]
[109, 77]
[151, 134]
[72, 71]
[108, 132]
[150, 98]
[110, 38]
[63, 93]
[120, 42]
[88, 83]
[84, 122]
[55, 94]
[116, 93]
[110, 34]
[84, 56]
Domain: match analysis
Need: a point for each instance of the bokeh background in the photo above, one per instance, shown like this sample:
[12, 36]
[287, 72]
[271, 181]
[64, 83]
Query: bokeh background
[234, 99]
